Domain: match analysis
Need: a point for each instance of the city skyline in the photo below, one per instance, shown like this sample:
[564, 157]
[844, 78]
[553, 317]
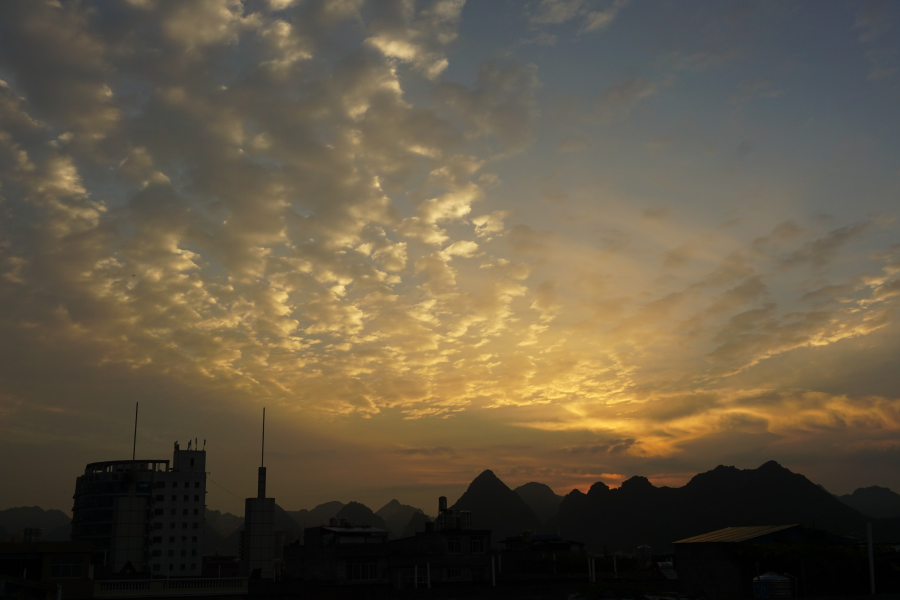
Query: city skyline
[565, 240]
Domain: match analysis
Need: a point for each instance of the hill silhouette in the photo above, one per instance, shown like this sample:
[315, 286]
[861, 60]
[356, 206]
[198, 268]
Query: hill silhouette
[416, 523]
[230, 545]
[318, 515]
[494, 506]
[56, 524]
[360, 514]
[541, 499]
[874, 501]
[397, 516]
[640, 513]
[223, 523]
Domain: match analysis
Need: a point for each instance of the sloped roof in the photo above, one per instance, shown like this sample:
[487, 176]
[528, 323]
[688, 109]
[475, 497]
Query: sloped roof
[735, 534]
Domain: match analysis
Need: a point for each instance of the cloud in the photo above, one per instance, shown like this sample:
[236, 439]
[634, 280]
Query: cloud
[618, 100]
[873, 19]
[501, 103]
[557, 12]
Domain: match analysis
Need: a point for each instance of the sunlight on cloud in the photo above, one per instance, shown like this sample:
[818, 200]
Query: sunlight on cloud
[228, 198]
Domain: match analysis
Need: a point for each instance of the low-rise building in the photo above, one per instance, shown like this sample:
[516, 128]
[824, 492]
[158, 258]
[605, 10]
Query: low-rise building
[339, 554]
[38, 569]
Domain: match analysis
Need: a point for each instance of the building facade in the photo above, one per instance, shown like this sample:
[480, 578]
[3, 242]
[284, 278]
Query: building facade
[143, 516]
[258, 550]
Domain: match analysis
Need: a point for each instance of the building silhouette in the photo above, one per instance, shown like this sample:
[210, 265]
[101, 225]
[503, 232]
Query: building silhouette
[143, 516]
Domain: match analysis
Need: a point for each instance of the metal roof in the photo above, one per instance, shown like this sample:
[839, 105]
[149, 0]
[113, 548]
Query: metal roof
[735, 534]
[352, 529]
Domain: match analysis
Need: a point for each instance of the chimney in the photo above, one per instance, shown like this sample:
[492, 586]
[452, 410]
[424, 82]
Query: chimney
[442, 503]
[429, 526]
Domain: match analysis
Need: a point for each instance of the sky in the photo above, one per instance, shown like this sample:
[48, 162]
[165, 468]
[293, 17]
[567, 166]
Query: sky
[566, 240]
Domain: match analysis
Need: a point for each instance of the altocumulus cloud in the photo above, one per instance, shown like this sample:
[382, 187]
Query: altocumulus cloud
[248, 196]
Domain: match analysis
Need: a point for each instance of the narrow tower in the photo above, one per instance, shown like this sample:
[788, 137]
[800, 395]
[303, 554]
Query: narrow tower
[258, 542]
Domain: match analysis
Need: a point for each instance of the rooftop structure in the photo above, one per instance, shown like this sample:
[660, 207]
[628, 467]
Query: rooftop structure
[739, 534]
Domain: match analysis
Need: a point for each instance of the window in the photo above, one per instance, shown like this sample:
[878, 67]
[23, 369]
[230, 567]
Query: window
[194, 539]
[478, 573]
[160, 498]
[193, 566]
[196, 484]
[171, 553]
[184, 512]
[156, 567]
[171, 566]
[174, 512]
[476, 545]
[183, 538]
[196, 512]
[182, 566]
[184, 525]
[171, 525]
[157, 540]
[157, 525]
[454, 572]
[193, 553]
[174, 484]
[65, 566]
[196, 525]
[184, 552]
[158, 511]
[157, 553]
[196, 498]
[454, 546]
[362, 571]
[192, 462]
[174, 498]
[171, 539]
[186, 498]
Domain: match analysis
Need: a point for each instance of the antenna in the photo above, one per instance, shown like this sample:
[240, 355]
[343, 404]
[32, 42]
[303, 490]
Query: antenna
[261, 481]
[134, 446]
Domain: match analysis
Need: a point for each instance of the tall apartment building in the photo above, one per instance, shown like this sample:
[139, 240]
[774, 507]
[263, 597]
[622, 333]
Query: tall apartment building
[143, 516]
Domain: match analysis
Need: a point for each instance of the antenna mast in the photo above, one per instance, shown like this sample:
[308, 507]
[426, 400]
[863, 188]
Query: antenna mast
[134, 445]
[261, 481]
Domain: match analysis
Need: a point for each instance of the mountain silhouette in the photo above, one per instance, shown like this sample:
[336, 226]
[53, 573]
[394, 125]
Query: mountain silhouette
[640, 513]
[214, 541]
[874, 501]
[56, 524]
[360, 514]
[541, 499]
[229, 545]
[318, 515]
[223, 523]
[397, 516]
[494, 506]
[416, 523]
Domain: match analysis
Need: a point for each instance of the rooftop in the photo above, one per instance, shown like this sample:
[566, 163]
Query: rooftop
[735, 534]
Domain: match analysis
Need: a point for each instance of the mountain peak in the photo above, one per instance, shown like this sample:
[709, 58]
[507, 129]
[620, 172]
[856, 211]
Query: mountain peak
[772, 465]
[598, 488]
[486, 480]
[636, 483]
